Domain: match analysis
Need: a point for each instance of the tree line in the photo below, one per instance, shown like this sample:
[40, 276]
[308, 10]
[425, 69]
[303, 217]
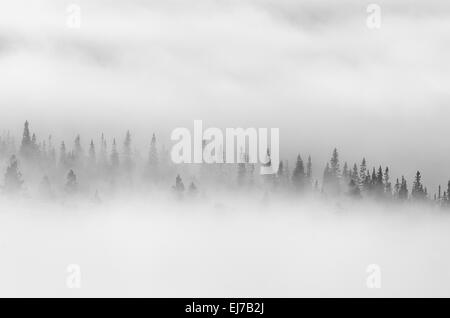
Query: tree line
[61, 171]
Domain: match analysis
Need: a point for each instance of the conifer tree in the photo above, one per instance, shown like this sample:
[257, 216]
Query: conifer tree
[179, 186]
[242, 170]
[367, 182]
[379, 185]
[298, 176]
[280, 172]
[362, 173]
[153, 156]
[403, 191]
[192, 189]
[127, 160]
[63, 155]
[345, 171]
[418, 191]
[448, 192]
[354, 175]
[387, 182]
[331, 182]
[103, 155]
[26, 145]
[397, 189]
[34, 145]
[78, 151]
[309, 170]
[13, 177]
[92, 154]
[326, 175]
[71, 182]
[334, 164]
[354, 190]
[114, 155]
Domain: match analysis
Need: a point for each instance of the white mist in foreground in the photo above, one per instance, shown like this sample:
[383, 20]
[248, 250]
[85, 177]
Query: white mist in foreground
[145, 249]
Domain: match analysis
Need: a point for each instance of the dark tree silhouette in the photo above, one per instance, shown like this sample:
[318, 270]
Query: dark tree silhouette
[362, 174]
[26, 148]
[63, 155]
[92, 155]
[78, 152]
[114, 155]
[298, 176]
[379, 185]
[179, 186]
[153, 155]
[387, 183]
[13, 177]
[127, 161]
[418, 192]
[354, 190]
[309, 170]
[345, 171]
[192, 189]
[403, 190]
[103, 155]
[71, 182]
[354, 175]
[332, 175]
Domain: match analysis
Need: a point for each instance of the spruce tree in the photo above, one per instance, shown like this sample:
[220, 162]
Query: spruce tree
[71, 182]
[379, 182]
[92, 155]
[26, 146]
[309, 170]
[114, 155]
[397, 189]
[418, 191]
[103, 155]
[326, 175]
[403, 191]
[127, 157]
[78, 152]
[153, 155]
[387, 182]
[242, 169]
[448, 192]
[179, 186]
[354, 175]
[334, 164]
[362, 173]
[354, 190]
[333, 175]
[298, 176]
[345, 171]
[13, 177]
[63, 155]
[280, 180]
[192, 189]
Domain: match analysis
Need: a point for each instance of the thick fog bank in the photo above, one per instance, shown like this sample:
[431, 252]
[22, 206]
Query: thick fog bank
[216, 249]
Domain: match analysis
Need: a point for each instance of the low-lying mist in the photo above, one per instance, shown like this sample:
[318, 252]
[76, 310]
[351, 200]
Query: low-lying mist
[159, 246]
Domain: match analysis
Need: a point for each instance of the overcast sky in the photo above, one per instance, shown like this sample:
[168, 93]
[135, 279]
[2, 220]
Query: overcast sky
[311, 68]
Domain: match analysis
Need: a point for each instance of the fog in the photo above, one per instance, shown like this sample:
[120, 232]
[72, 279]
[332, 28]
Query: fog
[313, 69]
[216, 249]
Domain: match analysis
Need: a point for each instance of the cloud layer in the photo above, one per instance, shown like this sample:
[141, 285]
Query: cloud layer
[311, 68]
